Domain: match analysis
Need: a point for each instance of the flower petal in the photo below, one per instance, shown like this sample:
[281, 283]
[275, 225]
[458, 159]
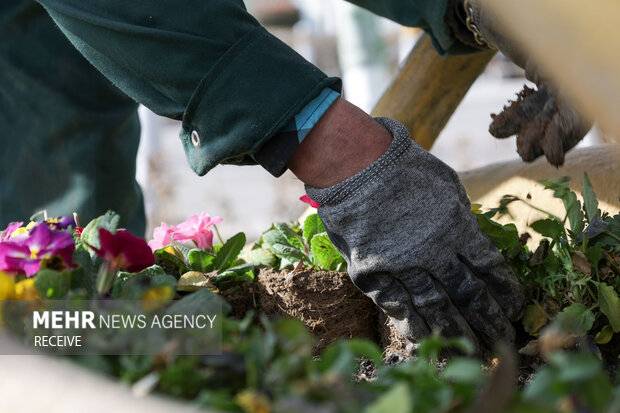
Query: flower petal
[306, 200]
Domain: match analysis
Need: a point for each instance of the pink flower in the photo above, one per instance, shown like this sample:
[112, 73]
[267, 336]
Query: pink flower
[195, 228]
[306, 199]
[162, 236]
[26, 253]
[123, 250]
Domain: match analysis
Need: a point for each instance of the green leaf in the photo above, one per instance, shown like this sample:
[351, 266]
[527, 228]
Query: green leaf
[395, 400]
[604, 336]
[534, 318]
[152, 271]
[200, 260]
[505, 237]
[195, 302]
[430, 346]
[134, 286]
[572, 205]
[259, 256]
[595, 254]
[462, 344]
[324, 252]
[192, 281]
[463, 370]
[278, 244]
[176, 260]
[576, 318]
[243, 273]
[590, 203]
[229, 252]
[181, 250]
[286, 252]
[52, 284]
[342, 357]
[312, 226]
[608, 232]
[292, 237]
[86, 277]
[610, 305]
[90, 234]
[274, 237]
[575, 368]
[548, 228]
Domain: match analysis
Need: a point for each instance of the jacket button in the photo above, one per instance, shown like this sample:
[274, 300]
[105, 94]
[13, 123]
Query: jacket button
[195, 139]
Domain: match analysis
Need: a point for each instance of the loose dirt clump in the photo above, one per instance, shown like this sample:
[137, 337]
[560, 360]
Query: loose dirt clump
[326, 302]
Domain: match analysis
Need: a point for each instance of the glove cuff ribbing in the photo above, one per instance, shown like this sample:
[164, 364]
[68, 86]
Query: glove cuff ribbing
[374, 172]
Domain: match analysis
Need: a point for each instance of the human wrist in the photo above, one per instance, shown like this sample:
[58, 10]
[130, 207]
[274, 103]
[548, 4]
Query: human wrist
[385, 168]
[345, 141]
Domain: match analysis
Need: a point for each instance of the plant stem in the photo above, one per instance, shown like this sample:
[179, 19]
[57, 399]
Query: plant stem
[218, 234]
[541, 210]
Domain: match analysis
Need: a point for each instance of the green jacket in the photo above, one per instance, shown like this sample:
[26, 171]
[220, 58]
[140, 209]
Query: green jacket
[69, 136]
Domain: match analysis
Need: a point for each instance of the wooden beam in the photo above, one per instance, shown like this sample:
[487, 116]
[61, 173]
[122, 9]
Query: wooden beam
[428, 89]
[577, 43]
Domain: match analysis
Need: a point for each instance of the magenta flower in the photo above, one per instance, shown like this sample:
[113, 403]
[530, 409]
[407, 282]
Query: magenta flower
[6, 234]
[123, 250]
[60, 223]
[26, 254]
[195, 228]
[306, 200]
[163, 235]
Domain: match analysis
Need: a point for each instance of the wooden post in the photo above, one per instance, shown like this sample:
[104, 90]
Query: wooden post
[428, 89]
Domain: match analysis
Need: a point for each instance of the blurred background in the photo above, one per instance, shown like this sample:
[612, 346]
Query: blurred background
[343, 40]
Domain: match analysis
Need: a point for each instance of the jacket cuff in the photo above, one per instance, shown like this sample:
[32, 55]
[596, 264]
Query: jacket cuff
[250, 94]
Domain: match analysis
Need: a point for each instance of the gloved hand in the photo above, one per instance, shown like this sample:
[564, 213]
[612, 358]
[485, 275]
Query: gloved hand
[413, 246]
[543, 121]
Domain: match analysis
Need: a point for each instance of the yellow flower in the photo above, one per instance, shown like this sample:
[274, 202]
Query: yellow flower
[152, 299]
[253, 402]
[7, 286]
[24, 290]
[18, 231]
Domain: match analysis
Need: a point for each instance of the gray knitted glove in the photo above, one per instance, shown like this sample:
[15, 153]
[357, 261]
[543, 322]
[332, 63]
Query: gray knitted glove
[413, 246]
[544, 122]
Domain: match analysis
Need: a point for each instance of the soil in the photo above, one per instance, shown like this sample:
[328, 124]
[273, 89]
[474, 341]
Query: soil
[326, 302]
[332, 308]
[241, 299]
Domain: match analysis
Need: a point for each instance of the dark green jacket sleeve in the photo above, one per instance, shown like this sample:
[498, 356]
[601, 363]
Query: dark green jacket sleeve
[208, 63]
[429, 15]
[212, 65]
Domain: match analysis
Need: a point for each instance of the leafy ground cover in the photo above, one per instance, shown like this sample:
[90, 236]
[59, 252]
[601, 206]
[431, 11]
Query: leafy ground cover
[570, 325]
[572, 278]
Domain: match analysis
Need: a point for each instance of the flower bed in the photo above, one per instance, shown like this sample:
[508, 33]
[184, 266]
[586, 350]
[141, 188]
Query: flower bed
[327, 302]
[572, 281]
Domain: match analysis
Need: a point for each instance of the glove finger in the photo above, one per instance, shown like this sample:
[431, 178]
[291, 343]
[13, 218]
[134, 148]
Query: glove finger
[563, 132]
[510, 121]
[474, 301]
[434, 305]
[488, 265]
[528, 145]
[394, 300]
[531, 134]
